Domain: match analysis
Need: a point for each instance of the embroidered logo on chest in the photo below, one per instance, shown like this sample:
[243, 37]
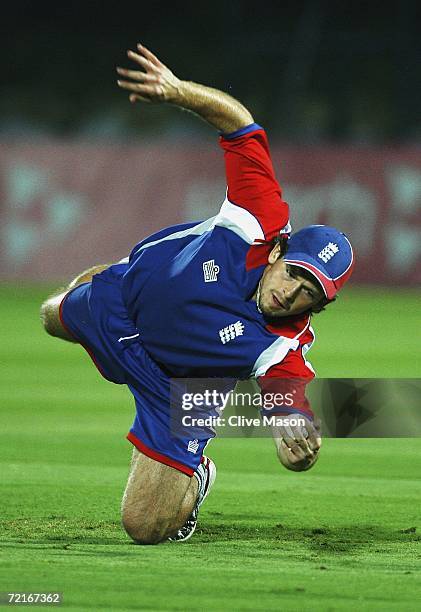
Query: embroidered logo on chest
[210, 271]
[231, 331]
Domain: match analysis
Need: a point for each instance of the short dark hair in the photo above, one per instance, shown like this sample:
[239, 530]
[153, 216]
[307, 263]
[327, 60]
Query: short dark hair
[282, 241]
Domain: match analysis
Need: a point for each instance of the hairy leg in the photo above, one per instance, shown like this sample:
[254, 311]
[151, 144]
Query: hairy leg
[49, 313]
[157, 501]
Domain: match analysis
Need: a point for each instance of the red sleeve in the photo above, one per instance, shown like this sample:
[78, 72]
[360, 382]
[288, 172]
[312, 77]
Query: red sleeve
[288, 379]
[251, 180]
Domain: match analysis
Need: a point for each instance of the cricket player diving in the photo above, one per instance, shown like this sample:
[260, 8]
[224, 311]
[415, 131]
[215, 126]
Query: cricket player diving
[228, 297]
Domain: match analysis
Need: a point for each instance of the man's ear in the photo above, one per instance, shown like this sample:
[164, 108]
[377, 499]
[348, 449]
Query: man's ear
[274, 254]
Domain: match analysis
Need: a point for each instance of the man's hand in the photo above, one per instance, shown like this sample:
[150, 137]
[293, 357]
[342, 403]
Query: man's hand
[154, 83]
[298, 445]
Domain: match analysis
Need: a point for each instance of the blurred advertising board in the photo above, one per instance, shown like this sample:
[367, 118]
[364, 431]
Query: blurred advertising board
[66, 206]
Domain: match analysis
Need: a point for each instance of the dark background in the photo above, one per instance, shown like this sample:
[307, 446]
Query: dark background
[313, 72]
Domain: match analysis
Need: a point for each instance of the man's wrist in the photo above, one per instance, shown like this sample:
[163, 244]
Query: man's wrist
[179, 97]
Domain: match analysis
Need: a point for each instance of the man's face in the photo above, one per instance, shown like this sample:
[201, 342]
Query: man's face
[284, 293]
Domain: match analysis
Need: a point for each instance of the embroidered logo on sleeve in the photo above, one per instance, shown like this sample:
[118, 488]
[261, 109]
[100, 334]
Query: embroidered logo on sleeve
[328, 252]
[210, 271]
[231, 331]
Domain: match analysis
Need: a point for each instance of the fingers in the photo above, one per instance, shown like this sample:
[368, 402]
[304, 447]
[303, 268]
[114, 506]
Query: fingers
[141, 60]
[139, 86]
[308, 434]
[138, 75]
[303, 443]
[295, 439]
[135, 98]
[145, 58]
[294, 453]
[306, 438]
[303, 440]
[142, 89]
[149, 55]
[294, 461]
[145, 84]
[300, 465]
[153, 83]
[314, 439]
[298, 444]
[294, 447]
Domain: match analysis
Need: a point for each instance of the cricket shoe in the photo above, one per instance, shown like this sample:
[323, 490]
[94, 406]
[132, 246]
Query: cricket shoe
[205, 474]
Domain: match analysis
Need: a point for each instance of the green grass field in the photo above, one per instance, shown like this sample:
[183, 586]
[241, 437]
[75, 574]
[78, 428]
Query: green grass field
[342, 536]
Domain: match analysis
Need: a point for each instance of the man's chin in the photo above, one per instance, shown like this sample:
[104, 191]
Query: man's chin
[273, 317]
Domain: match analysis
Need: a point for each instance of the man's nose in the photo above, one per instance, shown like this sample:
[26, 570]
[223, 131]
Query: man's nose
[291, 291]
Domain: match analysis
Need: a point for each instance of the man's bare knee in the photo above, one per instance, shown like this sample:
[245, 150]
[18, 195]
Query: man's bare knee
[50, 318]
[46, 317]
[157, 501]
[150, 531]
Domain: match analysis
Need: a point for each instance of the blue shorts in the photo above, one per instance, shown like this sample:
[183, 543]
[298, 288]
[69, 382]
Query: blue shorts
[95, 315]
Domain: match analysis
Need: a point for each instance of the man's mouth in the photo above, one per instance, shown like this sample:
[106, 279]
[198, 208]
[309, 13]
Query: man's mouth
[279, 302]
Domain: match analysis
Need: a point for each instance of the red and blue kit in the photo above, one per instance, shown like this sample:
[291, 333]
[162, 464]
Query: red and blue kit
[181, 306]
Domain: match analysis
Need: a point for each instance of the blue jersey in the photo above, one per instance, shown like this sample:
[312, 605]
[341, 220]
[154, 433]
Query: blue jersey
[182, 305]
[189, 288]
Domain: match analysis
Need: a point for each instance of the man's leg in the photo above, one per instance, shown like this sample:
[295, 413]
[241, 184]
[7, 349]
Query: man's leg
[157, 501]
[50, 309]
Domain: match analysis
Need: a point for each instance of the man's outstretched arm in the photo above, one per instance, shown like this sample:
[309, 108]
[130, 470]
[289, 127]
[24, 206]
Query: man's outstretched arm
[154, 82]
